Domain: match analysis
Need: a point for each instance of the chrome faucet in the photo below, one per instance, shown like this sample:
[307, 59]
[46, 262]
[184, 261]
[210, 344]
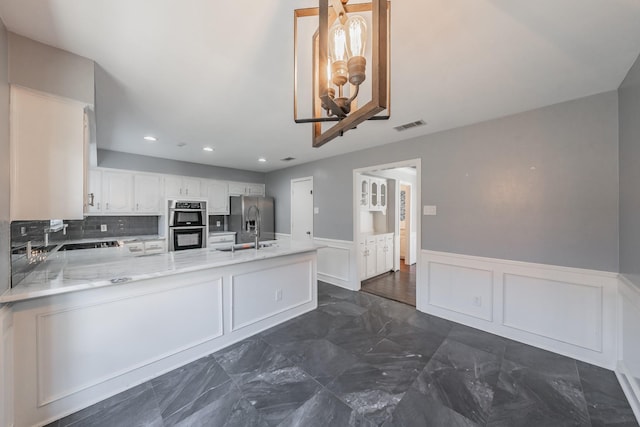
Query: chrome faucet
[256, 224]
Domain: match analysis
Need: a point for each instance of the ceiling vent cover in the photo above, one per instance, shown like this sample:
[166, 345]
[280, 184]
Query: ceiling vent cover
[287, 159]
[410, 125]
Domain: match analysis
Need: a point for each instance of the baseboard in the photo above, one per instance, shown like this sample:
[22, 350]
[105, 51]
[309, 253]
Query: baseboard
[565, 310]
[630, 387]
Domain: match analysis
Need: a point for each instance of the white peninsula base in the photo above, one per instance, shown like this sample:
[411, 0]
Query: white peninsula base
[74, 349]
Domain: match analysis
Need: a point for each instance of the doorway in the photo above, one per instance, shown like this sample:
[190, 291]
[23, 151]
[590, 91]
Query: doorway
[302, 209]
[386, 226]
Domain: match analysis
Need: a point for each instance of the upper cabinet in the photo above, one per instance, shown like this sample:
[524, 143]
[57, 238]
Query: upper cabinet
[364, 192]
[180, 187]
[245, 189]
[217, 197]
[147, 194]
[117, 192]
[48, 156]
[373, 194]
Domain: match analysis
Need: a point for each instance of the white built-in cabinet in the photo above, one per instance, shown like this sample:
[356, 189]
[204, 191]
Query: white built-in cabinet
[217, 193]
[147, 193]
[180, 187]
[246, 189]
[116, 191]
[373, 194]
[376, 254]
[48, 148]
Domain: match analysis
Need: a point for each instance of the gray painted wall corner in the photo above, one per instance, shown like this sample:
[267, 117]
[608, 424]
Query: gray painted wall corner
[629, 121]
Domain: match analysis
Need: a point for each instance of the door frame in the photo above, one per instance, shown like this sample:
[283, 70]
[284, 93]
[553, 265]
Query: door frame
[417, 163]
[306, 178]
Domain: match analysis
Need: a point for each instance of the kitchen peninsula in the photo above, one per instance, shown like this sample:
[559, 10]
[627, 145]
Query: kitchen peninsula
[88, 324]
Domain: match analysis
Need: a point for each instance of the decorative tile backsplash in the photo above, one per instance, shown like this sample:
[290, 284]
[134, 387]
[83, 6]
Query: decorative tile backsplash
[88, 228]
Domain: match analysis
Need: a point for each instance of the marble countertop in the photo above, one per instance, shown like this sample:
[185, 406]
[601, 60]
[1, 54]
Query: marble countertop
[64, 272]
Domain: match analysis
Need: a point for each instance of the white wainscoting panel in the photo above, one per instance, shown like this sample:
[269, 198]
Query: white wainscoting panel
[628, 368]
[281, 288]
[461, 289]
[76, 349]
[337, 263]
[565, 310]
[573, 315]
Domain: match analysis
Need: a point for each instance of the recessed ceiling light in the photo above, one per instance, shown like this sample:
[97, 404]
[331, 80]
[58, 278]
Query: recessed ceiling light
[150, 138]
[262, 159]
[207, 148]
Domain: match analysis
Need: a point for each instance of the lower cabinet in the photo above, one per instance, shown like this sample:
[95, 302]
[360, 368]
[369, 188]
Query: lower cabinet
[376, 255]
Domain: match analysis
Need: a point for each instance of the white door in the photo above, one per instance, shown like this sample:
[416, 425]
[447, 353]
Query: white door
[191, 187]
[302, 209]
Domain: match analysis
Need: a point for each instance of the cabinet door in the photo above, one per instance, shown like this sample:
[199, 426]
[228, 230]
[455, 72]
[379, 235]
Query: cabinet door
[388, 245]
[95, 191]
[254, 190]
[191, 187]
[117, 190]
[364, 193]
[374, 188]
[173, 187]
[47, 149]
[147, 194]
[382, 196]
[362, 253]
[236, 188]
[218, 197]
[380, 254]
[371, 257]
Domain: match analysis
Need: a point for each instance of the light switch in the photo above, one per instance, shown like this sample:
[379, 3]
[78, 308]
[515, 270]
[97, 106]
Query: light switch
[429, 210]
[316, 210]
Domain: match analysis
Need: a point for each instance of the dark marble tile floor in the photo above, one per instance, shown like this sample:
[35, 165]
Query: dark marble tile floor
[361, 360]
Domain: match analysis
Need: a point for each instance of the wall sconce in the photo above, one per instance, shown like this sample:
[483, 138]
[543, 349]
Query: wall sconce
[334, 53]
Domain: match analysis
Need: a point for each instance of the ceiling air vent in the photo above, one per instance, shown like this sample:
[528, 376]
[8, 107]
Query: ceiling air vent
[410, 125]
[287, 159]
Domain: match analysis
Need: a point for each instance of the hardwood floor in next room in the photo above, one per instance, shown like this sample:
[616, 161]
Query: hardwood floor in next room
[399, 286]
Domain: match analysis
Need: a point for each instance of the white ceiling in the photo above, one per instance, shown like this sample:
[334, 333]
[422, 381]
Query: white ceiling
[220, 73]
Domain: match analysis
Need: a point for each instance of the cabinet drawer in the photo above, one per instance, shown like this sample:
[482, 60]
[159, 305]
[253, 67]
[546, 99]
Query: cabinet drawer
[154, 247]
[135, 247]
[222, 239]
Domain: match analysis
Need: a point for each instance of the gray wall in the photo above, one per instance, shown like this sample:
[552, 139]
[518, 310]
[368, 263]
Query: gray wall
[5, 273]
[629, 114]
[48, 69]
[119, 160]
[540, 186]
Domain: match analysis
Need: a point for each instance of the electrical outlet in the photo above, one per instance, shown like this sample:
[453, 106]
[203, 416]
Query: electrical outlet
[23, 231]
[103, 227]
[217, 223]
[278, 294]
[477, 301]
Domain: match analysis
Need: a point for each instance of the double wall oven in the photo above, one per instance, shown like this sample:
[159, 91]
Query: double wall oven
[188, 224]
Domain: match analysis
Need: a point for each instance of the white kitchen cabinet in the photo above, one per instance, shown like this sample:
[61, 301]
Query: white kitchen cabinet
[246, 189]
[181, 187]
[378, 194]
[388, 252]
[94, 202]
[47, 156]
[217, 197]
[147, 194]
[117, 192]
[364, 192]
[376, 254]
[371, 268]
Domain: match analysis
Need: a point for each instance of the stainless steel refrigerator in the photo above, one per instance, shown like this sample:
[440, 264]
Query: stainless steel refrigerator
[246, 213]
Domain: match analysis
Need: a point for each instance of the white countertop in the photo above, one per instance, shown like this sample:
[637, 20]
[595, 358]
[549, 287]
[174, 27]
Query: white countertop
[71, 271]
